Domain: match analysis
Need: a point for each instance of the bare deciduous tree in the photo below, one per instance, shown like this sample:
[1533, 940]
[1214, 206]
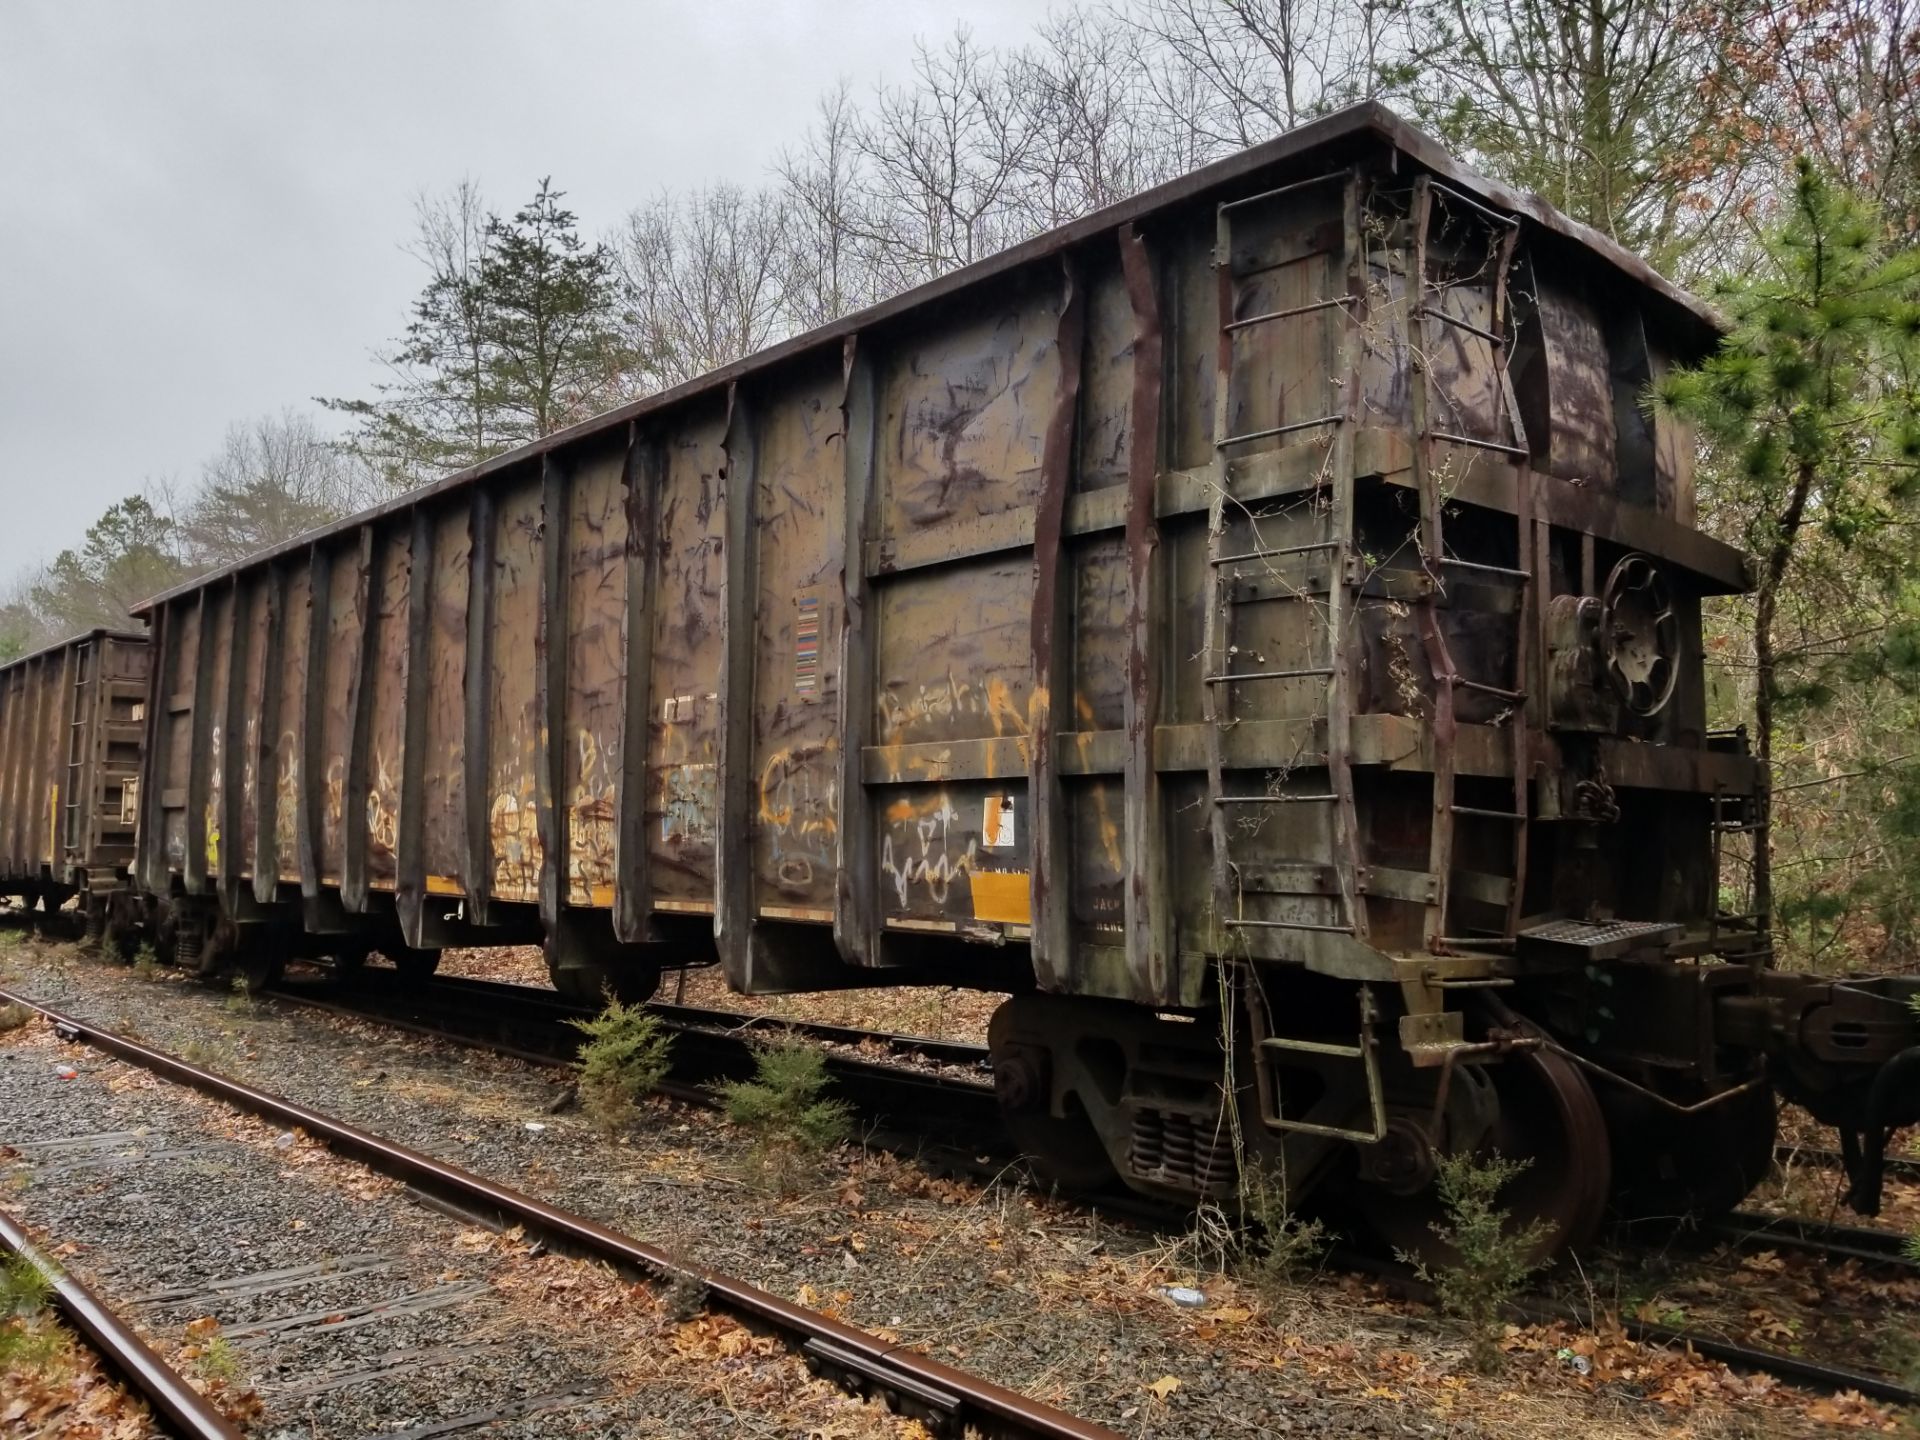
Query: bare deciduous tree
[1236, 72]
[705, 280]
[274, 478]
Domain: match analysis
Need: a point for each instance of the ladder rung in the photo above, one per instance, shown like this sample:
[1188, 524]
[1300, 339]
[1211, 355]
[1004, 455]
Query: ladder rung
[1486, 814]
[1273, 315]
[1315, 1047]
[1280, 550]
[1232, 679]
[1452, 563]
[1465, 684]
[1283, 190]
[1276, 799]
[1512, 222]
[1499, 445]
[1287, 925]
[1280, 430]
[1456, 321]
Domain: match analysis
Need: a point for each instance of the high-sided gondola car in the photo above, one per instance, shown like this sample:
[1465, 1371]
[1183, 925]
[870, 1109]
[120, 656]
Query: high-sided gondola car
[1260, 624]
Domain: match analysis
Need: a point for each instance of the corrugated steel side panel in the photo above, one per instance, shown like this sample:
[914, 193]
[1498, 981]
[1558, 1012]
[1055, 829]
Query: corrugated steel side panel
[906, 643]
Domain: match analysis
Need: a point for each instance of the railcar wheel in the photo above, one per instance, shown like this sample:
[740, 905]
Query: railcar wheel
[591, 984]
[261, 965]
[1063, 1151]
[346, 961]
[1550, 1119]
[413, 963]
[1674, 1167]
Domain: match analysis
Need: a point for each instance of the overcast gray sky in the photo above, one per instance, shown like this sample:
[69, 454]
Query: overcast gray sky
[202, 205]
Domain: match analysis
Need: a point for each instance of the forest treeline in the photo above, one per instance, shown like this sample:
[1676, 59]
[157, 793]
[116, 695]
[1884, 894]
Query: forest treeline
[1737, 144]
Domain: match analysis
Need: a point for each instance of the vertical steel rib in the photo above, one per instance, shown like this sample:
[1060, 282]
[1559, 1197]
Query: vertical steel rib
[640, 478]
[1146, 901]
[1051, 655]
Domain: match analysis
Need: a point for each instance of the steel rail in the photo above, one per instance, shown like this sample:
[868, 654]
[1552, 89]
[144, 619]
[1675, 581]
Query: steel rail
[183, 1409]
[1831, 1379]
[1877, 1246]
[961, 1054]
[950, 1401]
[709, 1046]
[1787, 1152]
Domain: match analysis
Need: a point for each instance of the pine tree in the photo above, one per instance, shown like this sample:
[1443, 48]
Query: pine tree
[1811, 408]
[130, 554]
[550, 349]
[515, 334]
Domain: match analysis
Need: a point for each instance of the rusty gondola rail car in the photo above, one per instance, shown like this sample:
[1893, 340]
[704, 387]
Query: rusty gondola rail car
[72, 728]
[1267, 598]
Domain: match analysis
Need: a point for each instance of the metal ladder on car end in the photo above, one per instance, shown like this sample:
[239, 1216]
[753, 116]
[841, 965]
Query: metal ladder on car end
[1446, 676]
[1223, 684]
[72, 839]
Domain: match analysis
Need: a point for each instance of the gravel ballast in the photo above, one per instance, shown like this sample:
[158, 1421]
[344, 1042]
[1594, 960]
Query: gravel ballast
[312, 1298]
[1035, 1295]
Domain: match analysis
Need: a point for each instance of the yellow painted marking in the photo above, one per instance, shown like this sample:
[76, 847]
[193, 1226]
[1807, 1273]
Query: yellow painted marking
[53, 820]
[443, 885]
[1003, 896]
[796, 912]
[685, 907]
[907, 922]
[603, 897]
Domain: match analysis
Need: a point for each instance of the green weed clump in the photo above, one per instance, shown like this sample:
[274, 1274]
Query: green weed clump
[24, 1287]
[146, 964]
[12, 1017]
[1491, 1259]
[625, 1056]
[1285, 1248]
[786, 1111]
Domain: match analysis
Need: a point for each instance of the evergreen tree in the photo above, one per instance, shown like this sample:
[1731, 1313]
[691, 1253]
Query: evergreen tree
[516, 334]
[551, 350]
[1812, 410]
[130, 554]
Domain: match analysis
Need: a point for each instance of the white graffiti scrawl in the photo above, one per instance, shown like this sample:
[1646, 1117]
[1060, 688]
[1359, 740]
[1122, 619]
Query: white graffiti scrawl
[935, 865]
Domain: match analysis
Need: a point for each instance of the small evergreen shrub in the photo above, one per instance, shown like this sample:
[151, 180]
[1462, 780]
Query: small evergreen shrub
[625, 1056]
[1491, 1259]
[785, 1110]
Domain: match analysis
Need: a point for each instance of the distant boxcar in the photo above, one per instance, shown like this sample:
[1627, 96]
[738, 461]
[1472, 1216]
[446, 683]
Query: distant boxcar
[72, 727]
[1260, 623]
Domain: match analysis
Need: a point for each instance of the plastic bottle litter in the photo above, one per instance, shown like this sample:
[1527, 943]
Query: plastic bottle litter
[1184, 1295]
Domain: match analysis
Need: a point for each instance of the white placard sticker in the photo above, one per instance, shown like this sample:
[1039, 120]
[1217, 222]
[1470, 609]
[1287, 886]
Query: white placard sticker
[996, 823]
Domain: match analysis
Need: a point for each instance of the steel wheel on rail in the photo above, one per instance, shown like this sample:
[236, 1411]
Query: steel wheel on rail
[1676, 1167]
[414, 964]
[1550, 1121]
[1064, 1151]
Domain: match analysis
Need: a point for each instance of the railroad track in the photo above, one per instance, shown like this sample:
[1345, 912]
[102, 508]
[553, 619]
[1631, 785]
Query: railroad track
[947, 1400]
[530, 1022]
[1749, 1230]
[947, 1094]
[180, 1408]
[1905, 1166]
